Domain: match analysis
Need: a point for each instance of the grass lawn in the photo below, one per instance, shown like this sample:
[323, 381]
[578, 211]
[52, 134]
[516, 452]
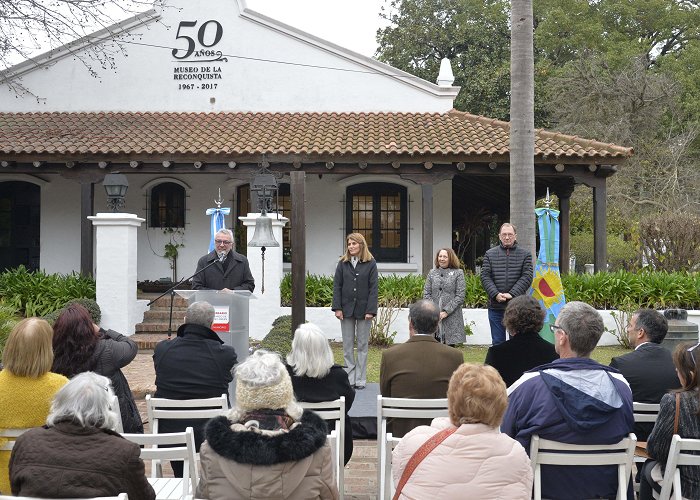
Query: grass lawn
[472, 354]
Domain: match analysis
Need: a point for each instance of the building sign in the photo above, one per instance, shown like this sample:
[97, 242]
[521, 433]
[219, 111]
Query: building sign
[198, 63]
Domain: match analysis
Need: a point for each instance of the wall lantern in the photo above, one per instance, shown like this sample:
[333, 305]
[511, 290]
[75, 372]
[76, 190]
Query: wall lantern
[116, 186]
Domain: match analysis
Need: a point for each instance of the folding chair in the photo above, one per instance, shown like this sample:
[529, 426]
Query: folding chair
[334, 410]
[114, 406]
[182, 448]
[678, 454]
[181, 409]
[399, 408]
[643, 412]
[546, 452]
[8, 437]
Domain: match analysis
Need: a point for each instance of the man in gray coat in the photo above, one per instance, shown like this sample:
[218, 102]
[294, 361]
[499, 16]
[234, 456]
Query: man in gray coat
[505, 273]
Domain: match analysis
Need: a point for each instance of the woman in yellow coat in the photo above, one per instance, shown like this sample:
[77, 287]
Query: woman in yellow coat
[27, 386]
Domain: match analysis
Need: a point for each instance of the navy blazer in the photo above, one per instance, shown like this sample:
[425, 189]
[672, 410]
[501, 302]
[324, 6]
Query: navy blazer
[356, 289]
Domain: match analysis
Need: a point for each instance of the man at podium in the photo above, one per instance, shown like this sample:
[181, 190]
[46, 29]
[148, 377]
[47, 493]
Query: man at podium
[223, 268]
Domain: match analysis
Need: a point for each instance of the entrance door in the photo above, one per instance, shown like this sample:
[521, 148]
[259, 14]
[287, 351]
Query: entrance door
[20, 204]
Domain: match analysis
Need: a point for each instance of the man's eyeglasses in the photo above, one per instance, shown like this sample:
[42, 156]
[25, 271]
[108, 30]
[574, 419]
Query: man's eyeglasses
[690, 350]
[554, 328]
[222, 242]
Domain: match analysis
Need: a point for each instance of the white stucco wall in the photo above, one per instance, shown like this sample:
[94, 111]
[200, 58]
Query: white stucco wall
[268, 67]
[60, 225]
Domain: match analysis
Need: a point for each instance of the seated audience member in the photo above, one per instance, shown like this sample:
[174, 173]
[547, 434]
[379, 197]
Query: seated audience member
[473, 459]
[77, 454]
[526, 349]
[685, 359]
[421, 367]
[573, 400]
[315, 378]
[195, 364]
[649, 368]
[26, 384]
[80, 346]
[267, 447]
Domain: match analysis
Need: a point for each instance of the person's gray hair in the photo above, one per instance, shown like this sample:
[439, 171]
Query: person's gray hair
[584, 326]
[263, 368]
[424, 315]
[225, 231]
[200, 313]
[85, 400]
[311, 354]
[654, 324]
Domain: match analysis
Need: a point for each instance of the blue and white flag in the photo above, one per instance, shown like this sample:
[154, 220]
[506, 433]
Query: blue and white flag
[217, 222]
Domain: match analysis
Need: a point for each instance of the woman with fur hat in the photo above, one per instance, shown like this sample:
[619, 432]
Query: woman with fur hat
[268, 447]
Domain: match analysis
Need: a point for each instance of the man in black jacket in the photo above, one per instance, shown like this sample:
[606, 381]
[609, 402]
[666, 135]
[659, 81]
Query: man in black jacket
[223, 268]
[195, 364]
[648, 369]
[505, 273]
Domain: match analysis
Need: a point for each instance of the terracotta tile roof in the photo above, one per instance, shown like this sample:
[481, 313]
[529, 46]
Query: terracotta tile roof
[310, 134]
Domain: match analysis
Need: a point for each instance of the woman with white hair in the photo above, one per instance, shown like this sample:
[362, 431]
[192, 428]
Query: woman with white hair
[316, 378]
[268, 447]
[77, 453]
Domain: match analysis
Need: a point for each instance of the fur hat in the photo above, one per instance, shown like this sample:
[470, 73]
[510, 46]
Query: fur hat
[274, 394]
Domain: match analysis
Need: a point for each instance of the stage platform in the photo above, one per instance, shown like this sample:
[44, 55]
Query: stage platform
[363, 414]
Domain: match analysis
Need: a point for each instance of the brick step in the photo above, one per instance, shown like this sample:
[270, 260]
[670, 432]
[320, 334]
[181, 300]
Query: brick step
[156, 326]
[164, 302]
[163, 315]
[148, 341]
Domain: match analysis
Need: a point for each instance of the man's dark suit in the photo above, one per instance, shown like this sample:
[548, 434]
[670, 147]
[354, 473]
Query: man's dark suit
[236, 276]
[650, 372]
[420, 368]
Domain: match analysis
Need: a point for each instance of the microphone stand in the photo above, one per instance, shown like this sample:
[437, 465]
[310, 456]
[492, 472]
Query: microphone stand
[171, 291]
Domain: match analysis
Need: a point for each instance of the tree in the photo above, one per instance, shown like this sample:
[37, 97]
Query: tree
[30, 26]
[522, 124]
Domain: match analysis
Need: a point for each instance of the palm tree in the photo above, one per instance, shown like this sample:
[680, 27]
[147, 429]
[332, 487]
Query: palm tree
[522, 124]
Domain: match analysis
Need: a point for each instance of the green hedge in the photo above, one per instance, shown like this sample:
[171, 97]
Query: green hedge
[38, 294]
[279, 338]
[601, 290]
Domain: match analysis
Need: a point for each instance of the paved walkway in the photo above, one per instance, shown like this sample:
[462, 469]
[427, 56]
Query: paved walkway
[360, 473]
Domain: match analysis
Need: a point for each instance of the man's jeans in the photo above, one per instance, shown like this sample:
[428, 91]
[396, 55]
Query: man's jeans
[498, 331]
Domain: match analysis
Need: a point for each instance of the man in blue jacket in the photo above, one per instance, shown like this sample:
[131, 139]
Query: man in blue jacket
[572, 400]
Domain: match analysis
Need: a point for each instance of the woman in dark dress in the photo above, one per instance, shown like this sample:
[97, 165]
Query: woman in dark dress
[316, 378]
[526, 349]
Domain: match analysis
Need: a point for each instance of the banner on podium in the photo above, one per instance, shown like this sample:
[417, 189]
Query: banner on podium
[222, 319]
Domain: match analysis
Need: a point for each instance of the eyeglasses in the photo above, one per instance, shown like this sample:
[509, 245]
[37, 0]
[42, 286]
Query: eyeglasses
[222, 242]
[554, 328]
[690, 350]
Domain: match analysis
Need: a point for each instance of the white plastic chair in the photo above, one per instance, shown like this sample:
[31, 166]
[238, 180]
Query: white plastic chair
[399, 408]
[183, 449]
[334, 410]
[8, 437]
[646, 413]
[546, 452]
[678, 454]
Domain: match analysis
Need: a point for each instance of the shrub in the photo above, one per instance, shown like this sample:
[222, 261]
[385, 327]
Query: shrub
[8, 319]
[37, 293]
[279, 338]
[92, 307]
[671, 241]
[621, 254]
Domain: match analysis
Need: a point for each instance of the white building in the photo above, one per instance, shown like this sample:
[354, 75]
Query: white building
[205, 92]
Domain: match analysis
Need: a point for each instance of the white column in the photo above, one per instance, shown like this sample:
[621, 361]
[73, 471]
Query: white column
[115, 269]
[266, 307]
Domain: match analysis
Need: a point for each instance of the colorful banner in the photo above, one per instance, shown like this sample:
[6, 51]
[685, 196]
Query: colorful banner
[547, 287]
[217, 222]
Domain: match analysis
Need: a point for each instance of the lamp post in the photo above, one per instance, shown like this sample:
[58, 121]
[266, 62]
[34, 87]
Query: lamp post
[115, 186]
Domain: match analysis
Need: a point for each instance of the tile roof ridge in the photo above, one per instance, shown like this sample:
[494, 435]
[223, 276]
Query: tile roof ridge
[560, 136]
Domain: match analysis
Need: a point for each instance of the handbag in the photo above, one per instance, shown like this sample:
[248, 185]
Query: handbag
[419, 455]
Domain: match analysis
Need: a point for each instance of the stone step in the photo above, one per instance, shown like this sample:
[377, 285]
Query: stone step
[148, 341]
[156, 326]
[164, 302]
[163, 315]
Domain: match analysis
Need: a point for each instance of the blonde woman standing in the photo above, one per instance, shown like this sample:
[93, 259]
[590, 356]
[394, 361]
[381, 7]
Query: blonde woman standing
[445, 286]
[355, 292]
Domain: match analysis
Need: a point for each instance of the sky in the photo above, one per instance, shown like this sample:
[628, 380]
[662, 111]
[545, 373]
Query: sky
[351, 24]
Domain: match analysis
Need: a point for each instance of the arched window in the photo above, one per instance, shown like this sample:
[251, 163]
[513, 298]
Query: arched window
[379, 211]
[167, 205]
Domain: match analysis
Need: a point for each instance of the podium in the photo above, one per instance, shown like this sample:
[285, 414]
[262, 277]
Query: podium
[231, 319]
